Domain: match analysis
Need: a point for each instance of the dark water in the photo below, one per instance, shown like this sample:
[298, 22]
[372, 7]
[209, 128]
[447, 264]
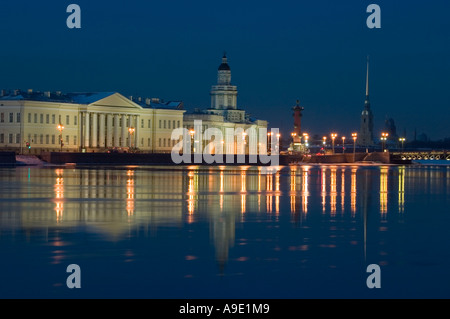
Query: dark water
[193, 232]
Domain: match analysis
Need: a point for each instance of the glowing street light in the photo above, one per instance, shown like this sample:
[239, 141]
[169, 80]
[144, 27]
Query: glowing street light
[269, 142]
[60, 128]
[343, 144]
[402, 140]
[293, 134]
[192, 132]
[333, 136]
[354, 136]
[306, 137]
[383, 140]
[131, 131]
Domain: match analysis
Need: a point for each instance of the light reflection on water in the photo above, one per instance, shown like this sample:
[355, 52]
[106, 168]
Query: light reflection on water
[305, 231]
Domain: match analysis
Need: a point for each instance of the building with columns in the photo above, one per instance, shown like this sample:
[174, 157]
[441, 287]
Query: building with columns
[85, 122]
[223, 112]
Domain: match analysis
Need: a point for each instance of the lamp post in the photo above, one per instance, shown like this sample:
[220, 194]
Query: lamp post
[383, 140]
[269, 142]
[343, 144]
[131, 130]
[192, 132]
[354, 136]
[306, 137]
[60, 128]
[333, 136]
[402, 140]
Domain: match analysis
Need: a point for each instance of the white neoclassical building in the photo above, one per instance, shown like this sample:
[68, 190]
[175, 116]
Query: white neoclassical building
[35, 122]
[224, 112]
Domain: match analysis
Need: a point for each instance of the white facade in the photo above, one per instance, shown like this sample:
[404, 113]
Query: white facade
[91, 122]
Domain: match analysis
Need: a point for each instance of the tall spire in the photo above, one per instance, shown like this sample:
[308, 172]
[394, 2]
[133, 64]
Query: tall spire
[367, 78]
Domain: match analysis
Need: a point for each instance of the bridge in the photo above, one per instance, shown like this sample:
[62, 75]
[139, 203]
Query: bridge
[420, 155]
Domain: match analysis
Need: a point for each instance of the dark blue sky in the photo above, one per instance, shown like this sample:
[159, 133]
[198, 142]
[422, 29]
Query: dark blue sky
[279, 51]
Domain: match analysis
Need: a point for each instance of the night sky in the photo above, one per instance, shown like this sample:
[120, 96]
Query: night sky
[279, 51]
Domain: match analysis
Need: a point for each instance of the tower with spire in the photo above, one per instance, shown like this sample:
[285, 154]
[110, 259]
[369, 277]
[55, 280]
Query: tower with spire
[223, 94]
[365, 137]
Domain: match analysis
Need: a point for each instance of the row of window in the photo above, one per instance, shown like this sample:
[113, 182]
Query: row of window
[170, 142]
[166, 124]
[10, 118]
[33, 118]
[15, 138]
[51, 119]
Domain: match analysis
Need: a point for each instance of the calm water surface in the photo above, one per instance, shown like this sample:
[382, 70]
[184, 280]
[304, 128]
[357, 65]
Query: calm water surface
[225, 232]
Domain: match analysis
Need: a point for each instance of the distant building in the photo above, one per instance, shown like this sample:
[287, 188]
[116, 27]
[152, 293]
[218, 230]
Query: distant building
[391, 129]
[224, 112]
[296, 145]
[365, 137]
[90, 121]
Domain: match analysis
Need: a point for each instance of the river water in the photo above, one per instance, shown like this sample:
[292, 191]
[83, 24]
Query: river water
[225, 232]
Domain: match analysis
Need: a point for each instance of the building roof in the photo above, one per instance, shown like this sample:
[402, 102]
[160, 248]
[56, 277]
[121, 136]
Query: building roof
[224, 66]
[85, 98]
[78, 98]
[160, 104]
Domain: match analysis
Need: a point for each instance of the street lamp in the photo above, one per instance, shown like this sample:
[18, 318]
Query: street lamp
[131, 130]
[354, 136]
[306, 137]
[269, 141]
[192, 132]
[383, 140]
[333, 136]
[60, 128]
[343, 144]
[402, 140]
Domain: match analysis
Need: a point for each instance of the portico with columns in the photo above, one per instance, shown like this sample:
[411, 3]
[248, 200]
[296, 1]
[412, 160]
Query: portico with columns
[118, 122]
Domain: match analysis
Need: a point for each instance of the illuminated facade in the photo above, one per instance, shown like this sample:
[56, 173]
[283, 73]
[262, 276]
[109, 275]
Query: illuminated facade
[85, 122]
[224, 113]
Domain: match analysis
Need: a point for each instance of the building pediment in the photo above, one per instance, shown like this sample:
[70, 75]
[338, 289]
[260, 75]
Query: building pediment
[113, 100]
